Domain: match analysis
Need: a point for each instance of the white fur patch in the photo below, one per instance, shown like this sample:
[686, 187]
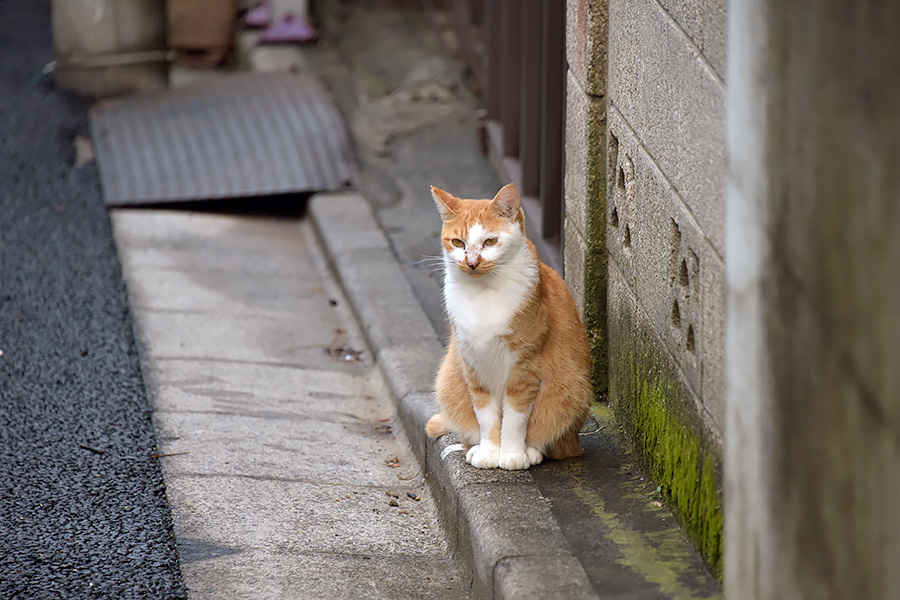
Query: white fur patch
[512, 432]
[476, 235]
[475, 243]
[513, 452]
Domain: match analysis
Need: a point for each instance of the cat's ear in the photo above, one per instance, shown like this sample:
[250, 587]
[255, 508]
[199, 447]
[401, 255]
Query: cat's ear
[446, 203]
[507, 201]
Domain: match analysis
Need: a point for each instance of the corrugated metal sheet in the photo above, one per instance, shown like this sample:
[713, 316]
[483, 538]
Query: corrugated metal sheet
[241, 135]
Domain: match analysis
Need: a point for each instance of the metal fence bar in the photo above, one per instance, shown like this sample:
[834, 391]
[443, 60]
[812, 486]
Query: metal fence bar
[511, 41]
[494, 52]
[553, 117]
[476, 12]
[530, 93]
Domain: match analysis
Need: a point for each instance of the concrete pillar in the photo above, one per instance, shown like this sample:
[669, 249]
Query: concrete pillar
[813, 302]
[108, 47]
[585, 174]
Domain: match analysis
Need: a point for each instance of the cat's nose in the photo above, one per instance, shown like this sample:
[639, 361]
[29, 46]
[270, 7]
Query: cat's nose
[472, 266]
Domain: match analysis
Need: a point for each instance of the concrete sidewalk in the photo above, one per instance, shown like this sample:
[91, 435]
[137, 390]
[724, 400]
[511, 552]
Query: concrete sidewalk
[278, 439]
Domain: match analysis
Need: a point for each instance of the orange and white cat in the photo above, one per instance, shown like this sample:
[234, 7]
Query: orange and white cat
[514, 384]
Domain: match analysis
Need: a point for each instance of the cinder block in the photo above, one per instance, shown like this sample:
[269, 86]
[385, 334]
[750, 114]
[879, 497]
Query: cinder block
[706, 23]
[585, 176]
[586, 276]
[622, 316]
[679, 277]
[674, 103]
[587, 22]
[622, 233]
[688, 15]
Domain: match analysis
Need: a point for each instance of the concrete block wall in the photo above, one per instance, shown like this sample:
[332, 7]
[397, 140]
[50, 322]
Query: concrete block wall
[645, 148]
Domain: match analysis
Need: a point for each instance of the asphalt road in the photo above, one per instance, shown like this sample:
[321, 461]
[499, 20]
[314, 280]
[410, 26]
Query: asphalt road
[83, 512]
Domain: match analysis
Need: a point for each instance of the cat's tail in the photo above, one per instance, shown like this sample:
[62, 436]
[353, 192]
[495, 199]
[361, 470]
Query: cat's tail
[567, 446]
[437, 426]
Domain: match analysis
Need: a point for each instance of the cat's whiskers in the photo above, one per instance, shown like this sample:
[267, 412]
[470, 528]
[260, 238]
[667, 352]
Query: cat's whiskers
[432, 262]
[436, 265]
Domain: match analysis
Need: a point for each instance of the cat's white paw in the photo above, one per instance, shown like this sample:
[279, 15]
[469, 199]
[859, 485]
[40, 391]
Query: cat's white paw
[521, 460]
[483, 457]
[514, 460]
[535, 456]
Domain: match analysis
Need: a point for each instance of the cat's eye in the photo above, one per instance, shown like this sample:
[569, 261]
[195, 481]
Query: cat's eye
[458, 243]
[490, 241]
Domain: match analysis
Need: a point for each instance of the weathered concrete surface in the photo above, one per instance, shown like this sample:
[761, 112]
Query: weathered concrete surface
[813, 334]
[587, 23]
[705, 22]
[276, 429]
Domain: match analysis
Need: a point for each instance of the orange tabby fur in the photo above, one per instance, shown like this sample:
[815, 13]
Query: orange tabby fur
[550, 373]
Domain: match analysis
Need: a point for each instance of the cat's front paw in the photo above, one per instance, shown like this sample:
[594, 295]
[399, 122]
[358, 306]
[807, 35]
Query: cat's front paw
[513, 461]
[481, 456]
[535, 456]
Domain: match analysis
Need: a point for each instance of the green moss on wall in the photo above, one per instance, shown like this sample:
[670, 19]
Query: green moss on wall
[649, 403]
[595, 281]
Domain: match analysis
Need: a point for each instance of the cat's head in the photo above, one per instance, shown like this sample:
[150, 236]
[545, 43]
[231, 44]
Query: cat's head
[479, 235]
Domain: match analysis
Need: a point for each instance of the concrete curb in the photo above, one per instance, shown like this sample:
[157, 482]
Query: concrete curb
[497, 520]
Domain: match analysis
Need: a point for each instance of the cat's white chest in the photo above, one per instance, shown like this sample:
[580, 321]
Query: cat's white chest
[479, 337]
[482, 315]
